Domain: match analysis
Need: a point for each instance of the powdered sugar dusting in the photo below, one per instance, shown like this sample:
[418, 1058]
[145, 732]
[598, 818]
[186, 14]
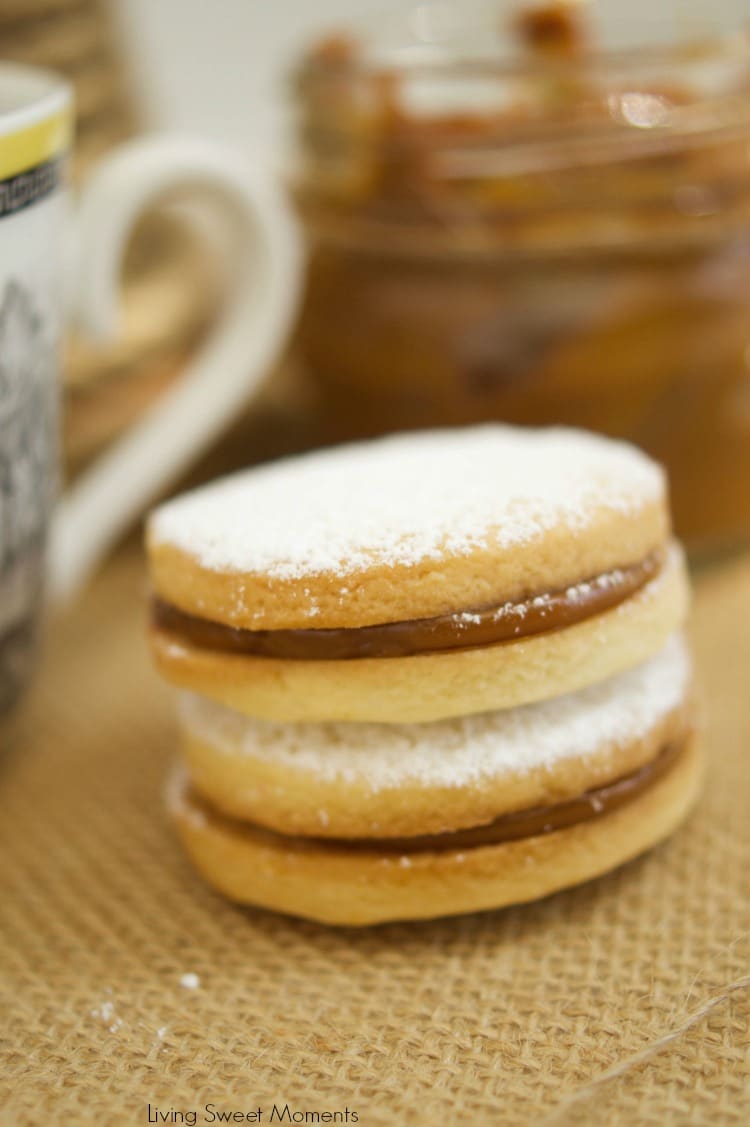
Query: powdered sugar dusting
[106, 1014]
[456, 752]
[400, 500]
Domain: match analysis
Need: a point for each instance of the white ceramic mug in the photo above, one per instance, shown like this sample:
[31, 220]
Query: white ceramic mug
[58, 262]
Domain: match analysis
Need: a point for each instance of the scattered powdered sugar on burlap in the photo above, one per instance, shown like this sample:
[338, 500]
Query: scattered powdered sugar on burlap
[406, 498]
[457, 752]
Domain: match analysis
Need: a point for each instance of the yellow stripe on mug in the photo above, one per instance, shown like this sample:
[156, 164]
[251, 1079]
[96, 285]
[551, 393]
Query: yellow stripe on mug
[36, 144]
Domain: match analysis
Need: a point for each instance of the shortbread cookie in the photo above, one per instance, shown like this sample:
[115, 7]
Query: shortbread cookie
[417, 577]
[361, 883]
[428, 674]
[387, 780]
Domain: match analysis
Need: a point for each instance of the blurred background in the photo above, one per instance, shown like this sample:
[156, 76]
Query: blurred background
[500, 221]
[172, 46]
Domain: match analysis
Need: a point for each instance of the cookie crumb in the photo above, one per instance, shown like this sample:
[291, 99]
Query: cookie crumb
[106, 1014]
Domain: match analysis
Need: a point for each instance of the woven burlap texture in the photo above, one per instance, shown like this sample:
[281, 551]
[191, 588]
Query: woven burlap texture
[624, 1001]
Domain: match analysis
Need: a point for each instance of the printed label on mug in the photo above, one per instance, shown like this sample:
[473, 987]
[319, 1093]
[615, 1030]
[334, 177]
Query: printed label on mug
[32, 210]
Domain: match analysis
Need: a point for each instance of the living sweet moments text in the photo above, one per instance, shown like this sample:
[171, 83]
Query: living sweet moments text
[276, 1113]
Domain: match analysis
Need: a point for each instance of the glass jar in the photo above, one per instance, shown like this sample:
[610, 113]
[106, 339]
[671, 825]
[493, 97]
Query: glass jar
[507, 222]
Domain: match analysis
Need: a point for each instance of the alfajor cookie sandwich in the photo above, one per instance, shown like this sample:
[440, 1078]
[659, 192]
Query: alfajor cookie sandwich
[428, 674]
[417, 577]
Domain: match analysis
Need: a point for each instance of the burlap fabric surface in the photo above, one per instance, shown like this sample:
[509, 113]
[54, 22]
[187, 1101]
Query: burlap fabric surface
[624, 1001]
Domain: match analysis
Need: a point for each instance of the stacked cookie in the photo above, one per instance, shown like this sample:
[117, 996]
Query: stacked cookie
[424, 675]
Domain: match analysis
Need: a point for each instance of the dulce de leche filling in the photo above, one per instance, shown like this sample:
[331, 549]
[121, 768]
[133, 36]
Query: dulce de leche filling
[481, 626]
[539, 819]
[536, 821]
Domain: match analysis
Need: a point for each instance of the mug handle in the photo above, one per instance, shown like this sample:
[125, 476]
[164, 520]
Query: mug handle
[250, 333]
